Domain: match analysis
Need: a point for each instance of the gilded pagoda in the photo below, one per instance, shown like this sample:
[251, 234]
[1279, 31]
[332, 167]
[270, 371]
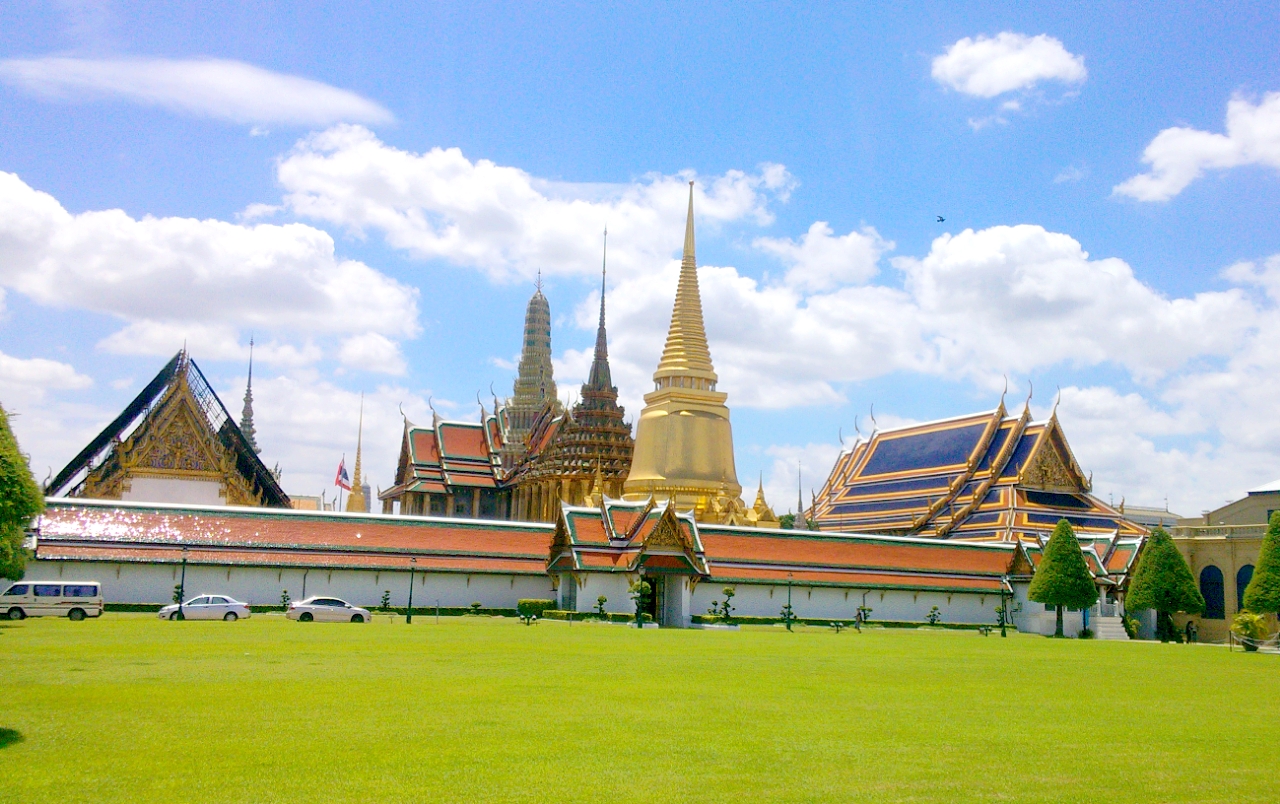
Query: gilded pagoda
[535, 385]
[684, 443]
[580, 456]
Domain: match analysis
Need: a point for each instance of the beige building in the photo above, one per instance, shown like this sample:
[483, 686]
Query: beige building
[1222, 548]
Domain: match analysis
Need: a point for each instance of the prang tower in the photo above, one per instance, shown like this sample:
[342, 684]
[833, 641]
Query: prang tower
[535, 386]
[684, 444]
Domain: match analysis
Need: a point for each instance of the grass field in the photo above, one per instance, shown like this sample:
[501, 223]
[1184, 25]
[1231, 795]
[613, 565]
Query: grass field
[131, 709]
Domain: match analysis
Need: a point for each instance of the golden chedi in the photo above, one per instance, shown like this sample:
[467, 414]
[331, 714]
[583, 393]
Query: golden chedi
[684, 444]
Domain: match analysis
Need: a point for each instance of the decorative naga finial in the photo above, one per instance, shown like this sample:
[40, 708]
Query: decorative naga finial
[1005, 391]
[875, 428]
[856, 428]
[1054, 413]
[435, 417]
[840, 435]
[1031, 390]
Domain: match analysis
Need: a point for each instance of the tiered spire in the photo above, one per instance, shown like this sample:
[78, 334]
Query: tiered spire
[246, 416]
[355, 500]
[686, 354]
[535, 387]
[600, 378]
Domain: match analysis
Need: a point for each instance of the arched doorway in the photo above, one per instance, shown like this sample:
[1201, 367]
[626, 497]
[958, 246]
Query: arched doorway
[1243, 576]
[1215, 603]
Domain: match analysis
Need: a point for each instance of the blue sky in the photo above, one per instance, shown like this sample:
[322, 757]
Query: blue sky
[370, 191]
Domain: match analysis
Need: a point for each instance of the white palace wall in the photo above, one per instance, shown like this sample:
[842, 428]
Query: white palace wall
[821, 602]
[154, 583]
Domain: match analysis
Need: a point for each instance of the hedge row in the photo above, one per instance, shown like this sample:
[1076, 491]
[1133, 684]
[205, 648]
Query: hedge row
[588, 616]
[707, 619]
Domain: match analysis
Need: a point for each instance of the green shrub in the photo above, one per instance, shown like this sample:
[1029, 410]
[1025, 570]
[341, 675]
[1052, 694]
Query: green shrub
[1162, 581]
[1251, 628]
[934, 616]
[385, 603]
[476, 606]
[1262, 595]
[285, 599]
[1086, 633]
[533, 607]
[1131, 626]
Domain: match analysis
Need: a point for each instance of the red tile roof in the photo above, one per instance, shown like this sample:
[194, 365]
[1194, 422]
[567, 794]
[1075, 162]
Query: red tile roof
[135, 531]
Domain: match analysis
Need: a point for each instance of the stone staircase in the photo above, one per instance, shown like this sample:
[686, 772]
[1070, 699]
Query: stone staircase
[1108, 628]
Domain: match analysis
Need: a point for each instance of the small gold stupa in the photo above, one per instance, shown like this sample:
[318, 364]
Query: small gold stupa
[684, 443]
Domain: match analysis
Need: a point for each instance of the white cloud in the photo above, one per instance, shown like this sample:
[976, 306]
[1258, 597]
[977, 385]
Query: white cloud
[1180, 155]
[501, 220]
[217, 88]
[202, 280]
[372, 352]
[985, 66]
[1070, 175]
[29, 379]
[820, 261]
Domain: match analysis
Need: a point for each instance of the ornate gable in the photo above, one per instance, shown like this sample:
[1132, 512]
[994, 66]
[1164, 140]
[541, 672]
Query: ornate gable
[1052, 467]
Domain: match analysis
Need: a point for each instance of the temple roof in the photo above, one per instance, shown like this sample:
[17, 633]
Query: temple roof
[615, 537]
[989, 476]
[179, 382]
[101, 530]
[449, 455]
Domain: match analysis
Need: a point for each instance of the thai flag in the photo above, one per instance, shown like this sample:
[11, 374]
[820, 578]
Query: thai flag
[343, 480]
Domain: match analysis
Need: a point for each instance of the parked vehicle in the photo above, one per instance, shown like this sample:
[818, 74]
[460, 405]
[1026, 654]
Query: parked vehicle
[73, 600]
[327, 610]
[207, 607]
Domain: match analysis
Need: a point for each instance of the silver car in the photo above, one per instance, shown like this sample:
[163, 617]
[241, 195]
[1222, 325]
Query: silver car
[207, 607]
[327, 610]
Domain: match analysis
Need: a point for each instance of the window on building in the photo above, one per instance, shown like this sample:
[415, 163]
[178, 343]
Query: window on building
[1243, 576]
[1211, 587]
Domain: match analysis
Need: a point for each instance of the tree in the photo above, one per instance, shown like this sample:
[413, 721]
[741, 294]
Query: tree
[1162, 581]
[1063, 579]
[1262, 595]
[20, 502]
[639, 592]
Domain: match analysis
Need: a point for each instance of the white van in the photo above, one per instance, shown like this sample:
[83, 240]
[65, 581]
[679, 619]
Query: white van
[75, 600]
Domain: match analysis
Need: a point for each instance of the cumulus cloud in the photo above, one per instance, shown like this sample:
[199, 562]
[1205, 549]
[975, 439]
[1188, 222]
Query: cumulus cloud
[372, 352]
[29, 379]
[501, 220]
[820, 261]
[216, 88]
[176, 278]
[1180, 155]
[985, 67]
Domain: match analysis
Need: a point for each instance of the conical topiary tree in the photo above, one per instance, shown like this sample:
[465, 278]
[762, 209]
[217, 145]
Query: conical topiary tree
[20, 501]
[1262, 595]
[1063, 579]
[1163, 581]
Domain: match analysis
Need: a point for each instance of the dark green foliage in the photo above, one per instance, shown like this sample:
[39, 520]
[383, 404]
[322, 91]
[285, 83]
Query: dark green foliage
[1063, 579]
[534, 607]
[476, 606]
[723, 611]
[1262, 595]
[177, 593]
[787, 521]
[934, 615]
[1162, 581]
[600, 604]
[385, 603]
[20, 502]
[1131, 626]
[285, 599]
[639, 592]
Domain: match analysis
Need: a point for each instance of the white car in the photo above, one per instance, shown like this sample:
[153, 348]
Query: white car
[327, 610]
[207, 607]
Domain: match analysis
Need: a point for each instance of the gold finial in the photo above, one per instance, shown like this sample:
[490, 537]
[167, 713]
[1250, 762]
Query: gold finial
[355, 500]
[686, 354]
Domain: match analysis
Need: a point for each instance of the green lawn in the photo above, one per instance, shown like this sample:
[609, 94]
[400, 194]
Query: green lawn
[132, 709]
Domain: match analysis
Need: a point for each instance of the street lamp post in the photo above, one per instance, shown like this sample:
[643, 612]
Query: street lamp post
[182, 585]
[790, 611]
[408, 617]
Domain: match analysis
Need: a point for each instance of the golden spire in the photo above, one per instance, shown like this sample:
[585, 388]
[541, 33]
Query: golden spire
[686, 353]
[355, 500]
[684, 443]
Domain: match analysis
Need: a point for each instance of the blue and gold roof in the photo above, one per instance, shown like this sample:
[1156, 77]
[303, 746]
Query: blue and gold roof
[988, 476]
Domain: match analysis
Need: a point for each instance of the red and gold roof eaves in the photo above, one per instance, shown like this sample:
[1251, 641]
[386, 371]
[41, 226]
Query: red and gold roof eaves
[449, 455]
[626, 537]
[152, 532]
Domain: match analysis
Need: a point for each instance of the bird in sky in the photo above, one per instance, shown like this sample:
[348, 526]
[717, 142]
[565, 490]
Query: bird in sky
[941, 219]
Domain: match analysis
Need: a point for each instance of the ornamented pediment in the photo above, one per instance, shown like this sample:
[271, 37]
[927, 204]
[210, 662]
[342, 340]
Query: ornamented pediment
[1048, 471]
